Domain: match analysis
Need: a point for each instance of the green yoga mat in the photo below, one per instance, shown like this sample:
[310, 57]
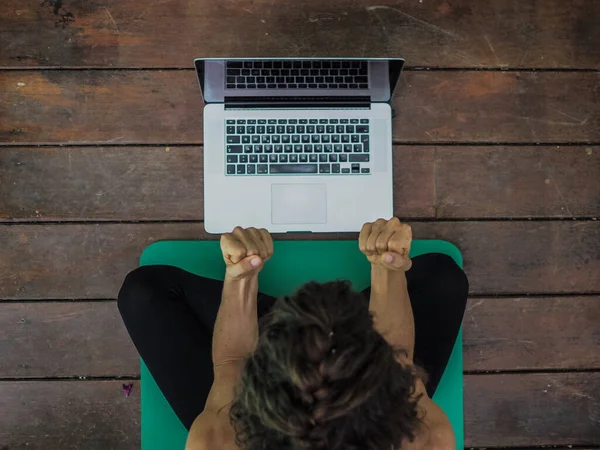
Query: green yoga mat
[162, 430]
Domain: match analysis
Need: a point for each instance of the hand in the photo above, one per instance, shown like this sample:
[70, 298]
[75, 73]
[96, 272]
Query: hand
[245, 251]
[386, 243]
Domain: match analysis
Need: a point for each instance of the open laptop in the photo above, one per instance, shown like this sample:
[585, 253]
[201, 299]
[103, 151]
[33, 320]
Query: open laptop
[294, 145]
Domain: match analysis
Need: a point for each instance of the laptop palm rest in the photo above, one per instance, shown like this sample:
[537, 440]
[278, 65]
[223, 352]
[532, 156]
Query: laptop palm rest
[298, 204]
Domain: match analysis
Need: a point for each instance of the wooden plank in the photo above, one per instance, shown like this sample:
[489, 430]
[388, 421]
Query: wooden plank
[68, 339]
[166, 183]
[524, 257]
[90, 260]
[101, 183]
[531, 333]
[517, 181]
[520, 410]
[100, 106]
[165, 107]
[148, 183]
[83, 339]
[532, 410]
[436, 33]
[70, 415]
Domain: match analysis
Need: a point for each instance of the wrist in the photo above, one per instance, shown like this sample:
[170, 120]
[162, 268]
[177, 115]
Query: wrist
[384, 279]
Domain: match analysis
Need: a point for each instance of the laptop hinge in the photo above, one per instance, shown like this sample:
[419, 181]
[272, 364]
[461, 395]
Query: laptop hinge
[329, 102]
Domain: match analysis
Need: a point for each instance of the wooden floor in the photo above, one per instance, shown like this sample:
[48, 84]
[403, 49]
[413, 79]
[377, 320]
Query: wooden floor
[496, 134]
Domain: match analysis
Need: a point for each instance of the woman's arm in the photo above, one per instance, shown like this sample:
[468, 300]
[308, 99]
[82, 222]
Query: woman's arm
[235, 334]
[391, 308]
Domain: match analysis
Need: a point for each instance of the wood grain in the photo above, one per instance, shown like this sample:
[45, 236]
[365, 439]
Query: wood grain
[435, 33]
[148, 183]
[532, 410]
[70, 415]
[519, 410]
[83, 339]
[524, 257]
[67, 339]
[531, 333]
[166, 183]
[165, 107]
[517, 182]
[84, 261]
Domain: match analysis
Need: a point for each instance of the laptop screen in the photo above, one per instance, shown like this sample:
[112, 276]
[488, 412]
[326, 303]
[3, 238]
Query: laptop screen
[297, 77]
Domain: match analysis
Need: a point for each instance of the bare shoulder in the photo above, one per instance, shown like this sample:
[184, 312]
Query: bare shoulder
[436, 431]
[211, 430]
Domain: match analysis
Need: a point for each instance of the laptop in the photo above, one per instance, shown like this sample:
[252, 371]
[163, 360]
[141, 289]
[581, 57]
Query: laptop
[297, 145]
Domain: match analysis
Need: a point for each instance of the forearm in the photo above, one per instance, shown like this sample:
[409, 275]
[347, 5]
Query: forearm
[236, 327]
[391, 309]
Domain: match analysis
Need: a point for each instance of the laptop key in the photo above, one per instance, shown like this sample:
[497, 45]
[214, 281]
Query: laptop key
[273, 158]
[258, 149]
[355, 168]
[293, 168]
[308, 148]
[253, 159]
[230, 169]
[313, 158]
[365, 170]
[283, 158]
[365, 142]
[322, 158]
[347, 148]
[244, 158]
[234, 149]
[245, 139]
[362, 129]
[241, 169]
[357, 148]
[232, 158]
[268, 148]
[251, 169]
[358, 158]
[262, 168]
[343, 158]
[335, 168]
[233, 139]
[294, 158]
[332, 158]
[345, 170]
[298, 148]
[303, 158]
[337, 148]
[324, 168]
[264, 158]
[278, 148]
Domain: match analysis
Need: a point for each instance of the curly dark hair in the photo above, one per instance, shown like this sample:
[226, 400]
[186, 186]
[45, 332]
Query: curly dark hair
[322, 378]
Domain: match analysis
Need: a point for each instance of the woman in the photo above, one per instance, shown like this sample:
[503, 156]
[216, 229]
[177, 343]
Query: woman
[328, 368]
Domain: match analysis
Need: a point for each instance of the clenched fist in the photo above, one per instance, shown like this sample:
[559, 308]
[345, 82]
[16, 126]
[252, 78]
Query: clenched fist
[387, 243]
[245, 251]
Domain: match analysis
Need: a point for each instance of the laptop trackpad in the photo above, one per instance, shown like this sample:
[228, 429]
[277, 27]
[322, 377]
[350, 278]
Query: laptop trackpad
[298, 204]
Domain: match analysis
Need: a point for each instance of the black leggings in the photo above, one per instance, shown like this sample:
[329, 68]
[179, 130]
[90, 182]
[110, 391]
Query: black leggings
[170, 315]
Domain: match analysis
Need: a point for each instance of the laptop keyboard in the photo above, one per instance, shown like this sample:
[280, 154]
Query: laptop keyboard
[297, 146]
[312, 74]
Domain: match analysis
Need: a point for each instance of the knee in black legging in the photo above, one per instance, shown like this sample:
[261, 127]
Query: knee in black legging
[138, 291]
[446, 279]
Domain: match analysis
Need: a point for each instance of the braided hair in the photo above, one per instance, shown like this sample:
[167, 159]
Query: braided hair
[322, 378]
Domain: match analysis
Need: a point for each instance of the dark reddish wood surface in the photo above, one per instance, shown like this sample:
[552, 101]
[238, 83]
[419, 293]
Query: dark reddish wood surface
[437, 33]
[517, 182]
[165, 107]
[65, 339]
[90, 260]
[514, 410]
[531, 333]
[165, 183]
[69, 415]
